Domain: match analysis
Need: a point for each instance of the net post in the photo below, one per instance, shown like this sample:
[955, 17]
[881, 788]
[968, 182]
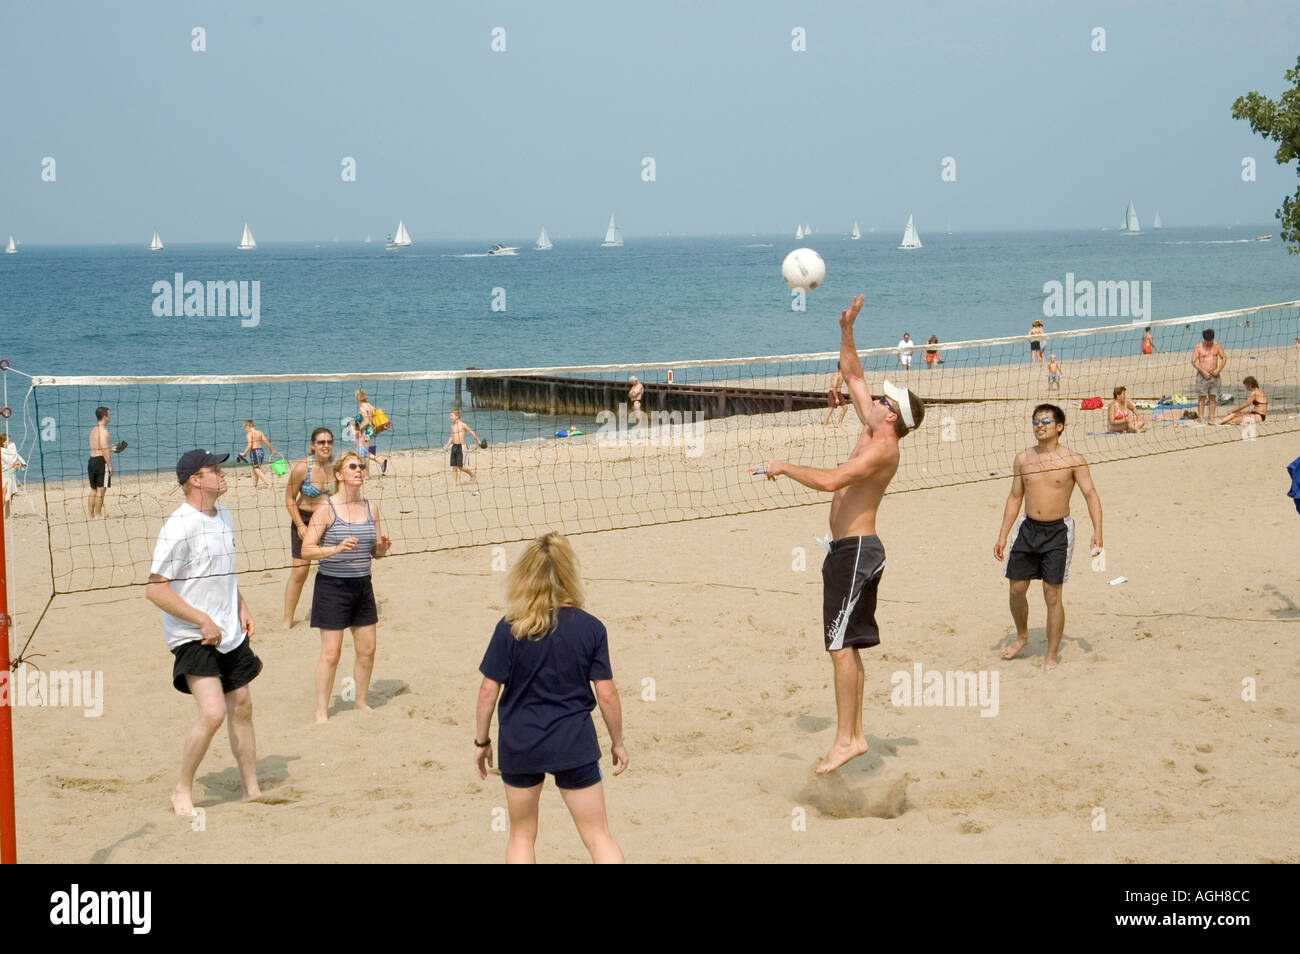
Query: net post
[8, 832]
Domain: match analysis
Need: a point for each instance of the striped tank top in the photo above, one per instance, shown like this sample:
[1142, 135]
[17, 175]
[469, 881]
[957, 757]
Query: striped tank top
[354, 563]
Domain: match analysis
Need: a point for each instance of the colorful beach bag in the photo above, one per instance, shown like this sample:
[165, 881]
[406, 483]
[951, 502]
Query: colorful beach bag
[379, 421]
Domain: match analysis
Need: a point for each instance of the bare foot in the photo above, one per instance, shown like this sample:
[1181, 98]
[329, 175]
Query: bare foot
[183, 802]
[286, 624]
[362, 707]
[1049, 662]
[840, 754]
[254, 796]
[1011, 651]
[322, 718]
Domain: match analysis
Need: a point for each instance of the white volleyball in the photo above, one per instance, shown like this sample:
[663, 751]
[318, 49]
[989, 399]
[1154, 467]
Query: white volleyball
[804, 269]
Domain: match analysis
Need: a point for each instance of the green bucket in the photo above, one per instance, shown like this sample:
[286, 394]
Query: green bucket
[279, 467]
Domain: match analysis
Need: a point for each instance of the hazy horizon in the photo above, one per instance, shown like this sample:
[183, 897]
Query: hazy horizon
[748, 135]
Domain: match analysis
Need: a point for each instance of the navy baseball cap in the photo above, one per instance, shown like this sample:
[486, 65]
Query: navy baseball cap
[192, 462]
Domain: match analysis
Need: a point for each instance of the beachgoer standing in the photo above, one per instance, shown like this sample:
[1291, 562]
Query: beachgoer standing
[835, 397]
[1148, 342]
[1053, 373]
[255, 453]
[932, 354]
[457, 445]
[905, 351]
[852, 570]
[635, 392]
[1209, 360]
[1035, 346]
[194, 580]
[10, 462]
[310, 481]
[100, 468]
[1042, 541]
[343, 535]
[545, 655]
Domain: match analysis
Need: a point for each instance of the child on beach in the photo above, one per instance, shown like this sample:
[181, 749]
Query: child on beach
[457, 445]
[254, 453]
[1053, 373]
[544, 657]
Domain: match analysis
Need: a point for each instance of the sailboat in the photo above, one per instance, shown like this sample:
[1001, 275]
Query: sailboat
[156, 245]
[807, 230]
[1131, 224]
[543, 242]
[1123, 221]
[798, 233]
[401, 238]
[11, 248]
[856, 233]
[367, 241]
[246, 240]
[613, 237]
[1156, 224]
[950, 226]
[910, 238]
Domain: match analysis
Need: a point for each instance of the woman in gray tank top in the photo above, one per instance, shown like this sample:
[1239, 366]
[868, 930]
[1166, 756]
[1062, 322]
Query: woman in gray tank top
[343, 535]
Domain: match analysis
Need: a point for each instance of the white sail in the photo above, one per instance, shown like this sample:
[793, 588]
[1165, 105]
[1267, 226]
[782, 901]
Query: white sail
[543, 241]
[613, 237]
[856, 233]
[1157, 224]
[1123, 220]
[798, 233]
[950, 226]
[910, 238]
[1131, 224]
[156, 245]
[246, 240]
[401, 238]
[11, 248]
[367, 241]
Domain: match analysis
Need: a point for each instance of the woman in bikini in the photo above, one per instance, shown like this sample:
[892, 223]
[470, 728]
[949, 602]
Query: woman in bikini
[1254, 410]
[311, 479]
[1122, 417]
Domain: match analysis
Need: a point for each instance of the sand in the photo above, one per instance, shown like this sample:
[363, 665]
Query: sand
[1139, 747]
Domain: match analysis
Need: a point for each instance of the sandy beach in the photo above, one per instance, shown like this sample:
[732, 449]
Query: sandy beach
[716, 646]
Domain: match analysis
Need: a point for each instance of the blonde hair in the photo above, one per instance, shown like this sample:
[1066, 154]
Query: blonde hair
[338, 464]
[544, 578]
[361, 395]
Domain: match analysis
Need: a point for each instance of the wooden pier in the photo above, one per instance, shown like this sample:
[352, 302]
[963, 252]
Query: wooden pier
[588, 397]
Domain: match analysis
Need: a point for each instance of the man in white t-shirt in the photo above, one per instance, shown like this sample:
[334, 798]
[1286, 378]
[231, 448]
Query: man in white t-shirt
[206, 622]
[905, 351]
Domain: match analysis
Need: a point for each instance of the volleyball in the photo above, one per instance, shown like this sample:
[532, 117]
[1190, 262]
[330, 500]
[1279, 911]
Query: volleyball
[804, 269]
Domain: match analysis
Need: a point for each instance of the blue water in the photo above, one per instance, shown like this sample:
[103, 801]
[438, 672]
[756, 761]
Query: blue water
[358, 308]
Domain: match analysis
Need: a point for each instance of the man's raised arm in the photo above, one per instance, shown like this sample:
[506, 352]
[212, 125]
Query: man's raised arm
[850, 365]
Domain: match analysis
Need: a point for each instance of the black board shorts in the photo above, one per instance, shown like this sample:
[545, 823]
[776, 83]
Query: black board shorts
[458, 455]
[1041, 550]
[236, 668]
[295, 541]
[342, 602]
[851, 575]
[97, 471]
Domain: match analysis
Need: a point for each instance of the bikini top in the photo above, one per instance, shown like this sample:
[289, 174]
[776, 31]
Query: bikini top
[308, 490]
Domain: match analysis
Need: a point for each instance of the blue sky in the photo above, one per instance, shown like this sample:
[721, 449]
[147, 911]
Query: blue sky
[465, 143]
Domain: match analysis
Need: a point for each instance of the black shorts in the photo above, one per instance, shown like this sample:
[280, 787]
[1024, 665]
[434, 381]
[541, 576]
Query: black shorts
[97, 471]
[236, 668]
[257, 456]
[1035, 346]
[458, 455]
[584, 776]
[295, 541]
[850, 576]
[343, 602]
[1041, 550]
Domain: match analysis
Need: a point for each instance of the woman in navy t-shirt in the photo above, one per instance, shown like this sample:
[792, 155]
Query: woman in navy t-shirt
[545, 654]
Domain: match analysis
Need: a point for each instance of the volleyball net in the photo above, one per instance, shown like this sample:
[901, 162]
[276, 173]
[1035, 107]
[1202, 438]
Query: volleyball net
[567, 450]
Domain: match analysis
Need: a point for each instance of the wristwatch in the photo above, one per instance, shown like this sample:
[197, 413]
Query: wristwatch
[482, 745]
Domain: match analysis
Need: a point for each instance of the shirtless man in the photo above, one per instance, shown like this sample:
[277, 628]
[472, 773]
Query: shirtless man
[1042, 541]
[1122, 416]
[1255, 409]
[835, 397]
[457, 445]
[1148, 343]
[100, 468]
[852, 570]
[255, 453]
[1209, 361]
[634, 395]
